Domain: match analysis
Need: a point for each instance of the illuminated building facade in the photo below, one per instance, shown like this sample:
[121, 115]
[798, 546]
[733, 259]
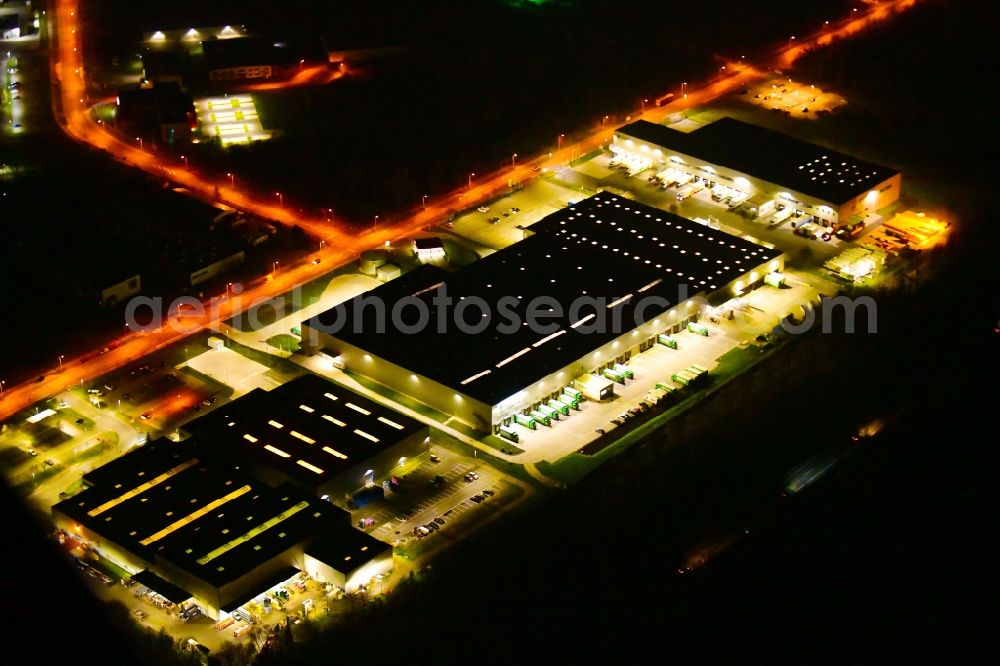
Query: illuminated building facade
[204, 532]
[830, 186]
[603, 278]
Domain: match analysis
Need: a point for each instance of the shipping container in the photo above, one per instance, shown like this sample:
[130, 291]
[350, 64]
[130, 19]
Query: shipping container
[774, 279]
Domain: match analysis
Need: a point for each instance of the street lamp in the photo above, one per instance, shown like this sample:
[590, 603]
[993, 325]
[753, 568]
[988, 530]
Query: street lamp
[232, 179]
[61, 357]
[471, 175]
[642, 105]
[376, 221]
[281, 199]
[321, 244]
[274, 267]
[604, 121]
[512, 158]
[684, 89]
[139, 139]
[423, 201]
[791, 39]
[2, 382]
[721, 70]
[228, 287]
[559, 144]
[184, 157]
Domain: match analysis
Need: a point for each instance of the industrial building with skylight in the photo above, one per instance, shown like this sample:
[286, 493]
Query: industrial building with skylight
[198, 530]
[602, 260]
[766, 166]
[314, 434]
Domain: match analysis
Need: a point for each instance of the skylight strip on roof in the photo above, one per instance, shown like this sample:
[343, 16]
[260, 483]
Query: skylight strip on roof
[304, 438]
[335, 452]
[110, 504]
[584, 320]
[476, 376]
[513, 357]
[195, 515]
[549, 337]
[360, 410]
[651, 285]
[366, 435]
[334, 421]
[619, 301]
[390, 423]
[308, 466]
[243, 538]
[275, 450]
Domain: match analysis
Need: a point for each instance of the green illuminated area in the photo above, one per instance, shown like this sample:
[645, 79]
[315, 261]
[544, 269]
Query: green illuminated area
[263, 527]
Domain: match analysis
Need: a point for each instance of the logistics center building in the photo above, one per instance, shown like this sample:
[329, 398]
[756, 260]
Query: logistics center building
[200, 531]
[604, 260]
[766, 166]
[314, 434]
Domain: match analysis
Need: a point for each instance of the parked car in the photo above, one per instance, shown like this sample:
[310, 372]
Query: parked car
[483, 209]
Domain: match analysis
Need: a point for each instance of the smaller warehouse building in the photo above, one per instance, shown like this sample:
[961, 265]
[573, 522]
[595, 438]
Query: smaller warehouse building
[765, 166]
[314, 434]
[200, 531]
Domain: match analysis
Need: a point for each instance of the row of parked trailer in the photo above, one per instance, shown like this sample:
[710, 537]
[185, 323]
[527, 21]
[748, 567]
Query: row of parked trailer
[553, 409]
[692, 376]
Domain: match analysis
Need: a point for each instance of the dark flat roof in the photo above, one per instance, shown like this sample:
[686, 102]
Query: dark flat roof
[772, 156]
[163, 501]
[315, 429]
[162, 587]
[604, 246]
[346, 549]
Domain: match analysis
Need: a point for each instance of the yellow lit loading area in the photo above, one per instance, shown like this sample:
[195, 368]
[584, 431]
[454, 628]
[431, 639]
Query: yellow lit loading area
[230, 119]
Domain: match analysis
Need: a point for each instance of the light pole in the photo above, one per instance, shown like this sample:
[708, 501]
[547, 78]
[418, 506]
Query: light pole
[274, 267]
[184, 157]
[642, 105]
[512, 158]
[791, 39]
[604, 121]
[139, 139]
[721, 70]
[61, 357]
[281, 199]
[229, 286]
[376, 222]
[232, 179]
[559, 144]
[471, 176]
[321, 244]
[2, 382]
[423, 201]
[684, 89]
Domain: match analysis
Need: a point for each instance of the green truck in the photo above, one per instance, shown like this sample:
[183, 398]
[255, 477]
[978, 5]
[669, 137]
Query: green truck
[568, 401]
[625, 370]
[541, 418]
[559, 407]
[695, 327]
[507, 433]
[526, 421]
[614, 375]
[573, 393]
[665, 339]
[549, 412]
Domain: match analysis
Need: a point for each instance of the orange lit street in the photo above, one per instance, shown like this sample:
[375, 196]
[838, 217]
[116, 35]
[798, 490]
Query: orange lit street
[340, 243]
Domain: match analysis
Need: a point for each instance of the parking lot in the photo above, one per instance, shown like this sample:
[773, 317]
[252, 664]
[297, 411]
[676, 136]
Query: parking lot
[793, 98]
[498, 225]
[432, 499]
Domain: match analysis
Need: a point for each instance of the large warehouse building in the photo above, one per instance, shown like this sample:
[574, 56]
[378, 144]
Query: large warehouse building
[200, 531]
[830, 186]
[324, 439]
[605, 259]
